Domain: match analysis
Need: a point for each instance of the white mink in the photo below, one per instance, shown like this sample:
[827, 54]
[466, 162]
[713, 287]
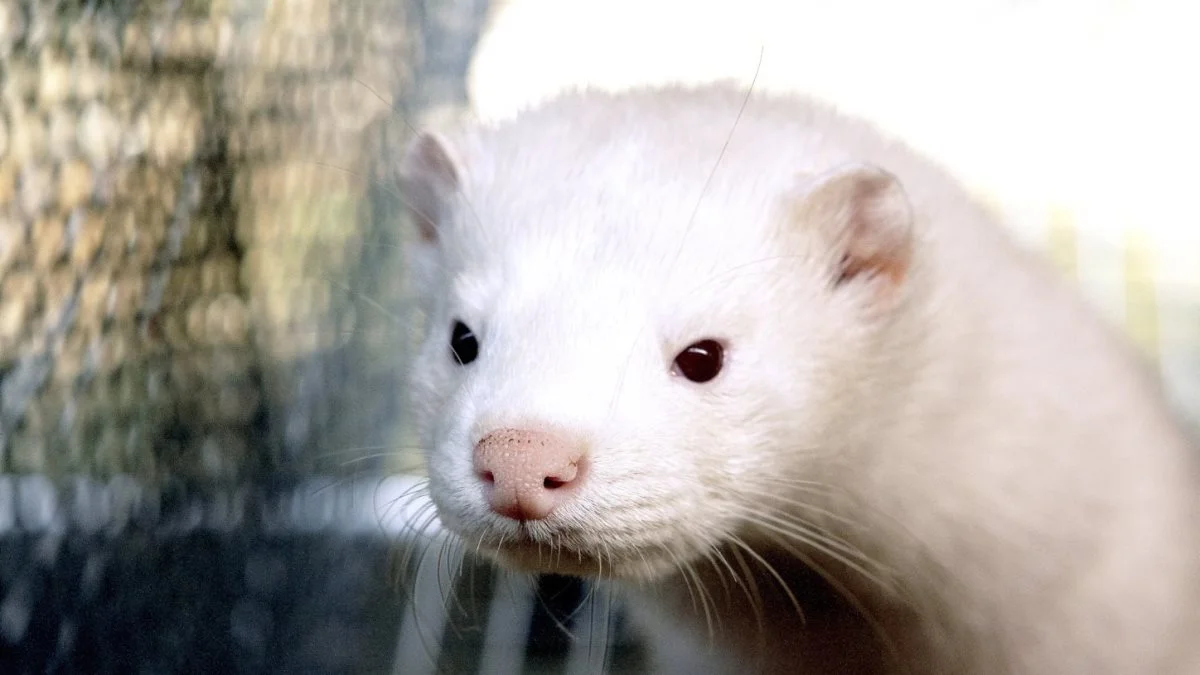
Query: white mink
[911, 421]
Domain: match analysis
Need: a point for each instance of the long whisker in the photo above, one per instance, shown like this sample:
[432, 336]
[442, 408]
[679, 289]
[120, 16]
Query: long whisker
[447, 577]
[422, 635]
[426, 517]
[687, 581]
[710, 558]
[813, 508]
[606, 654]
[691, 222]
[375, 304]
[397, 111]
[369, 457]
[724, 274]
[403, 117]
[845, 592]
[808, 528]
[361, 448]
[416, 491]
[389, 190]
[753, 598]
[558, 623]
[705, 600]
[840, 551]
[752, 592]
[737, 541]
[720, 156]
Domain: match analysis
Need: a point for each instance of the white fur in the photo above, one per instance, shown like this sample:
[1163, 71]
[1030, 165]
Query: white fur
[993, 460]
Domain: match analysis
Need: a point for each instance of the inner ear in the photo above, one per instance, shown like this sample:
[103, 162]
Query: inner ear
[864, 215]
[428, 178]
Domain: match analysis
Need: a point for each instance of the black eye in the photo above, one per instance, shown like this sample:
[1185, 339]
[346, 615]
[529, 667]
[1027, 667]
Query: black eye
[701, 361]
[463, 345]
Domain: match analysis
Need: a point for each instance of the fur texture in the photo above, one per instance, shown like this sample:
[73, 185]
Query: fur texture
[952, 464]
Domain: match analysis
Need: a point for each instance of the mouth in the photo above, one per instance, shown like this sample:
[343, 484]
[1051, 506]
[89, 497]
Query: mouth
[536, 557]
[532, 551]
[585, 549]
[526, 548]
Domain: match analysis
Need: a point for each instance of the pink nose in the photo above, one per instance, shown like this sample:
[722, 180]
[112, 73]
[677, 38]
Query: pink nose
[527, 473]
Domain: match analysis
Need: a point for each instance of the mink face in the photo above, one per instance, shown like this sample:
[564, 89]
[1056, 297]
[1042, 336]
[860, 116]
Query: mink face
[641, 357]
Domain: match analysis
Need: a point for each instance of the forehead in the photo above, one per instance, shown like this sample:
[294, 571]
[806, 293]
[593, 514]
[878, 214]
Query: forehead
[627, 207]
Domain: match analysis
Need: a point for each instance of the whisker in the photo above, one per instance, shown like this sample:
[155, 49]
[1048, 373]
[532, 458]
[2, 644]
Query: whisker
[720, 156]
[754, 600]
[689, 576]
[445, 567]
[846, 594]
[347, 451]
[422, 636]
[834, 548]
[751, 587]
[691, 223]
[590, 599]
[819, 510]
[687, 583]
[387, 313]
[473, 582]
[807, 527]
[558, 623]
[419, 489]
[373, 455]
[333, 482]
[607, 653]
[720, 276]
[710, 559]
[389, 190]
[704, 602]
[404, 119]
[418, 536]
[798, 482]
[413, 523]
[401, 114]
[737, 541]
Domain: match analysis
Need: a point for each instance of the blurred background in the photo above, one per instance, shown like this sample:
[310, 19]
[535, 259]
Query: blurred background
[204, 460]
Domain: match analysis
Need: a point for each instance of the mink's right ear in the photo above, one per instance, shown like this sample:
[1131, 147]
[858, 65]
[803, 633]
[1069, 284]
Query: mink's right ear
[429, 177]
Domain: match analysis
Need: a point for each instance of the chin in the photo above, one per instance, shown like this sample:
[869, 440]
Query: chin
[638, 565]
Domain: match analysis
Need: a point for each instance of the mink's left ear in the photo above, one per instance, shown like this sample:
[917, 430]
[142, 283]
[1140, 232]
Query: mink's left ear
[863, 215]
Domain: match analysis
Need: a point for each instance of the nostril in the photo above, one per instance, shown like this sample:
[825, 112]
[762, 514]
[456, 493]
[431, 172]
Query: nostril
[561, 477]
[488, 476]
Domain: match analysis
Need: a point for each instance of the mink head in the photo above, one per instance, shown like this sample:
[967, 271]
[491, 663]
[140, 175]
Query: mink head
[640, 324]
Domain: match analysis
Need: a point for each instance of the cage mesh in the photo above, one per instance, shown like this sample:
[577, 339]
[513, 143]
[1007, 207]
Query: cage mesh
[196, 263]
